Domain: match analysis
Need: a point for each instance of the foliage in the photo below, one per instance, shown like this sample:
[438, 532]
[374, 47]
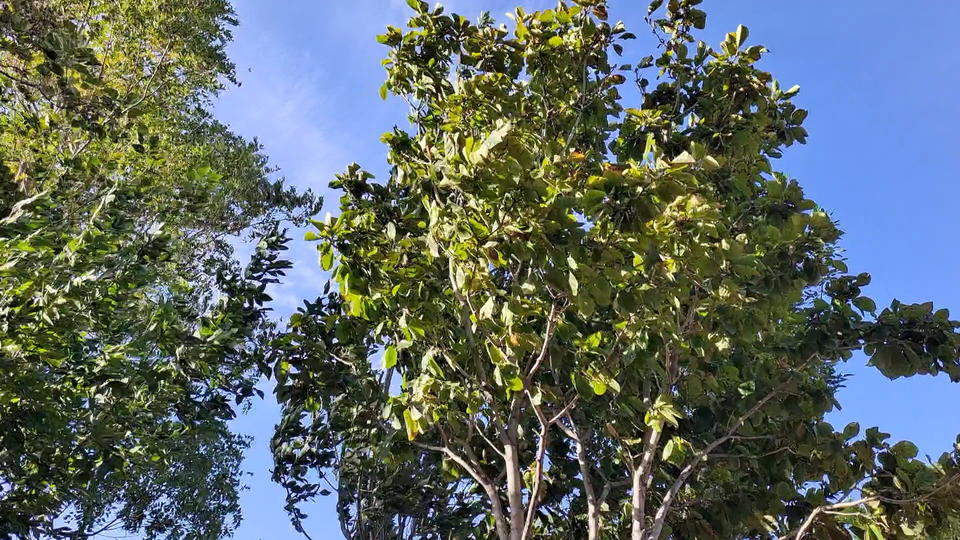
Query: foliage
[606, 320]
[128, 329]
[340, 428]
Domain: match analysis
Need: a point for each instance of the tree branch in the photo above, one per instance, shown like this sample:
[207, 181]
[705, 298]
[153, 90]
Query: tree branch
[829, 508]
[701, 456]
[593, 505]
[496, 504]
[545, 348]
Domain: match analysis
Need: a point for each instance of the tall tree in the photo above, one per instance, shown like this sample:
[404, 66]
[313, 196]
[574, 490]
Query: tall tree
[607, 321]
[128, 329]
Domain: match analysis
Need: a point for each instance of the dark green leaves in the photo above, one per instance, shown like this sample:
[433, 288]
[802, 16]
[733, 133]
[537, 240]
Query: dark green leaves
[905, 450]
[699, 18]
[491, 141]
[675, 451]
[392, 38]
[865, 304]
[851, 430]
[128, 329]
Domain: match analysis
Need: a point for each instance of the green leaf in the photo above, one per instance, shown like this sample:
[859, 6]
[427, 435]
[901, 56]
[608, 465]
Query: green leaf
[684, 159]
[675, 450]
[599, 387]
[494, 139]
[574, 284]
[555, 41]
[496, 355]
[411, 425]
[429, 365]
[741, 34]
[662, 412]
[581, 384]
[326, 256]
[488, 309]
[593, 197]
[389, 357]
[699, 18]
[865, 304]
[668, 451]
[905, 450]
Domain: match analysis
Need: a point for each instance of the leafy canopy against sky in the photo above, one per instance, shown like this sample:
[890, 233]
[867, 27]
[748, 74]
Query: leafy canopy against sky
[127, 325]
[843, 55]
[820, 198]
[890, 183]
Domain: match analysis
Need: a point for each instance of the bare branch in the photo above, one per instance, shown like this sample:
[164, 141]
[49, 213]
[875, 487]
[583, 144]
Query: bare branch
[565, 412]
[492, 446]
[545, 348]
[593, 505]
[496, 504]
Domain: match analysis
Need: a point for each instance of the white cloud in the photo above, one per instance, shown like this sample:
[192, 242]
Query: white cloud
[281, 102]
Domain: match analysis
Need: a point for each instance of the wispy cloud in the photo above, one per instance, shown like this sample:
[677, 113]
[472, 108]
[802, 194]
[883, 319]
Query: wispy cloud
[281, 102]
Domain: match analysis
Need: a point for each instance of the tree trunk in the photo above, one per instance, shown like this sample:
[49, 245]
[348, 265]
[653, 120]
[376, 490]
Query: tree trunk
[499, 517]
[593, 518]
[637, 513]
[642, 477]
[514, 487]
[593, 505]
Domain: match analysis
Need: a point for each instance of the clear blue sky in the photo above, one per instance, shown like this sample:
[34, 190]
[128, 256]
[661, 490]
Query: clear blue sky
[878, 76]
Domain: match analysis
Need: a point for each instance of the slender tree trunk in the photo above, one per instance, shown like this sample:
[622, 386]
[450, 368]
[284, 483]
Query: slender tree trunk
[514, 487]
[593, 519]
[636, 516]
[642, 477]
[593, 514]
[499, 516]
[593, 504]
[472, 467]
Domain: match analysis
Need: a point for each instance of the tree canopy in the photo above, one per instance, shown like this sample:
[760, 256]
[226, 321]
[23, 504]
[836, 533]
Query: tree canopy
[129, 331]
[585, 303]
[570, 314]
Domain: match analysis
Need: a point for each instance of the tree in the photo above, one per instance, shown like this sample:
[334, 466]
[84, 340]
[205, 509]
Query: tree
[606, 321]
[128, 329]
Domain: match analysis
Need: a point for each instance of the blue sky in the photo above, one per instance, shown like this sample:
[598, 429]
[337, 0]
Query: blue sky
[878, 76]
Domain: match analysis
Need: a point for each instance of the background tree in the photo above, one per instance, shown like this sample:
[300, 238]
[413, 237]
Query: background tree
[128, 330]
[606, 321]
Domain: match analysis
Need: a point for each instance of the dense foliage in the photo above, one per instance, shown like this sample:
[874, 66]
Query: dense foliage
[567, 314]
[584, 304]
[128, 329]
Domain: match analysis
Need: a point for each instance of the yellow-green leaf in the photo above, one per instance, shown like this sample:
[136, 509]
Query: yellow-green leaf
[390, 357]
